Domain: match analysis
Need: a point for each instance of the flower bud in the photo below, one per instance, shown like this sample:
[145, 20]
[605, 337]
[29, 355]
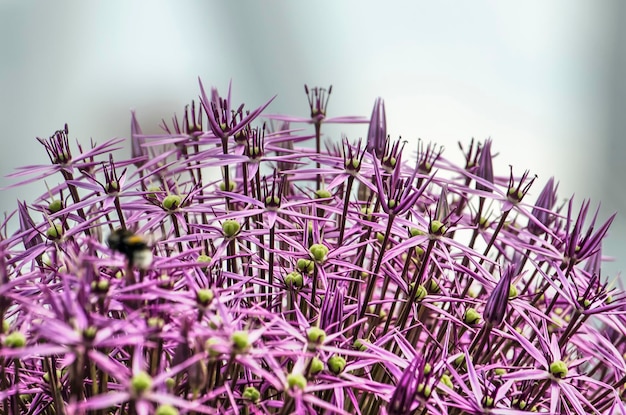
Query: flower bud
[485, 167]
[543, 206]
[377, 131]
[499, 298]
[403, 396]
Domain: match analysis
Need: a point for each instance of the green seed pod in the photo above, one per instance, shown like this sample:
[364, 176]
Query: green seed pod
[165, 282]
[305, 265]
[380, 237]
[483, 222]
[352, 165]
[212, 346]
[55, 232]
[140, 383]
[100, 287]
[5, 326]
[368, 213]
[89, 333]
[316, 366]
[230, 228]
[416, 232]
[460, 361]
[231, 186]
[272, 201]
[318, 252]
[156, 323]
[487, 401]
[512, 292]
[294, 280]
[46, 376]
[251, 394]
[433, 286]
[336, 364]
[421, 292]
[203, 258]
[359, 344]
[296, 381]
[389, 163]
[15, 340]
[471, 317]
[323, 194]
[437, 228]
[172, 202]
[55, 206]
[427, 369]
[519, 403]
[424, 390]
[166, 409]
[445, 379]
[240, 340]
[152, 192]
[515, 195]
[558, 369]
[500, 371]
[204, 296]
[315, 337]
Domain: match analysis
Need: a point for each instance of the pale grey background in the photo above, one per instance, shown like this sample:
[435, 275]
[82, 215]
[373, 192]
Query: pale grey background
[544, 79]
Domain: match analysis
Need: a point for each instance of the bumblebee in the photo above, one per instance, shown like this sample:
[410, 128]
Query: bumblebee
[134, 247]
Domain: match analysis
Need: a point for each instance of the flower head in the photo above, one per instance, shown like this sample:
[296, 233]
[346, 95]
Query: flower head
[307, 276]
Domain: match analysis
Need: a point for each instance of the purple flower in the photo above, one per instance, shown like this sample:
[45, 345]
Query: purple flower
[348, 280]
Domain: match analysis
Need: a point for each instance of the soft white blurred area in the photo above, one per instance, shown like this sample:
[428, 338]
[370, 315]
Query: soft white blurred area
[544, 79]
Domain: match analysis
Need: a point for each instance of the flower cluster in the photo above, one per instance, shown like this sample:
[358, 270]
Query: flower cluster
[314, 276]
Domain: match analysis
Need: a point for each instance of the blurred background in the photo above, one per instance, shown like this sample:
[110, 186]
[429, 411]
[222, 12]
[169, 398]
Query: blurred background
[544, 80]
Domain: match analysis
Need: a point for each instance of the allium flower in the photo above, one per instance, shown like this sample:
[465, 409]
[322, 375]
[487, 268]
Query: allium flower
[350, 280]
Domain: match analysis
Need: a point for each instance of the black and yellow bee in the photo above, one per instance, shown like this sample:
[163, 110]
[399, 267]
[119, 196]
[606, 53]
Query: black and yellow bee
[133, 246]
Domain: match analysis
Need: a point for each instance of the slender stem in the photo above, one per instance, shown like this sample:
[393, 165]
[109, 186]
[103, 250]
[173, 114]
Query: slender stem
[406, 307]
[371, 283]
[342, 218]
